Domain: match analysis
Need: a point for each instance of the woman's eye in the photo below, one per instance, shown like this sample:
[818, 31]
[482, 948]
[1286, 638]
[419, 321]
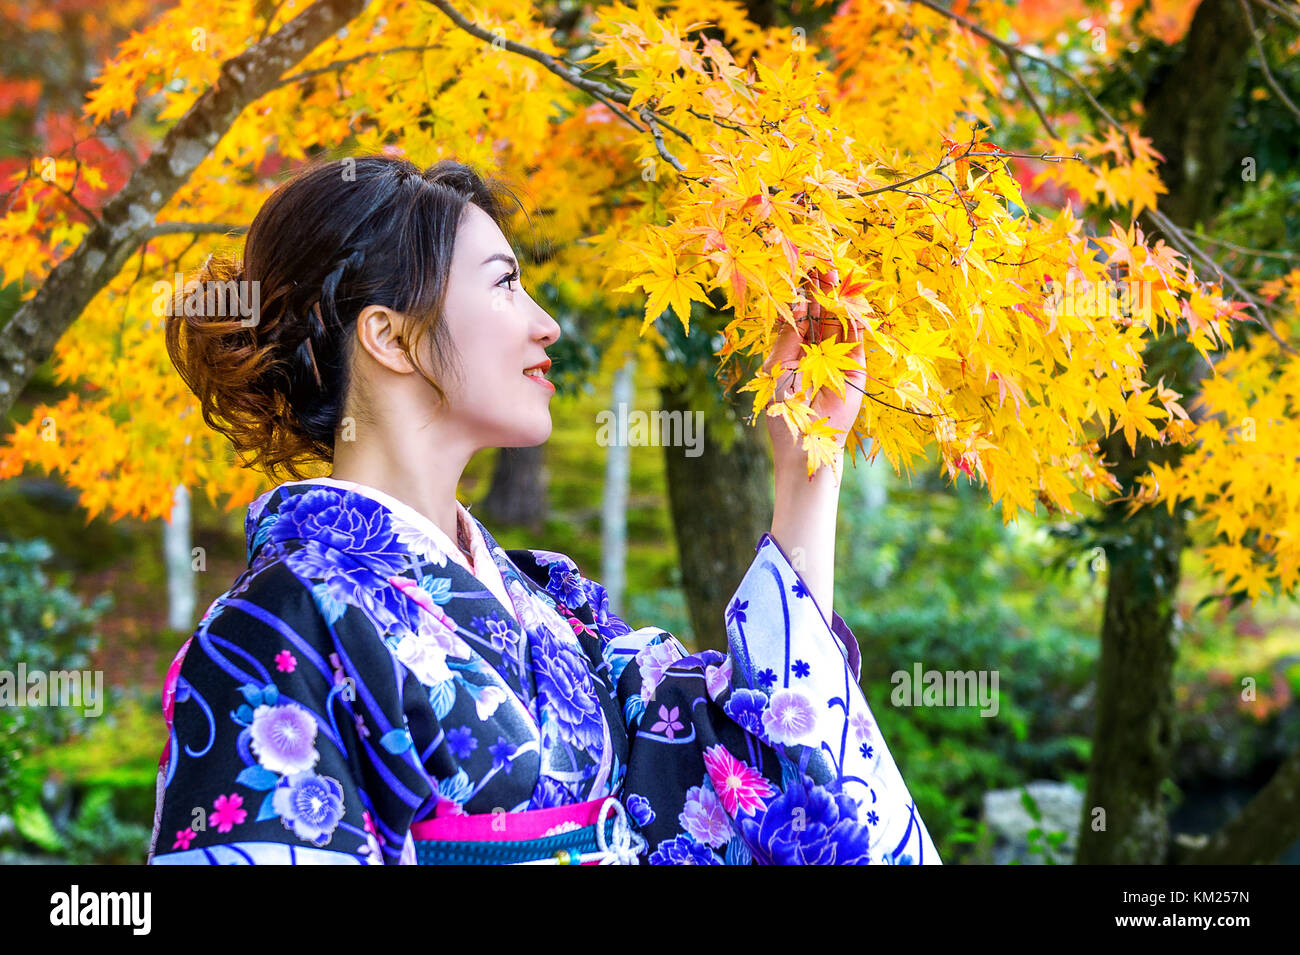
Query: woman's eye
[512, 277]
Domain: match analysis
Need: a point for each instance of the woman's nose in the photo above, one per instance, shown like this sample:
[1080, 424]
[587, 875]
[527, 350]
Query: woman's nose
[550, 328]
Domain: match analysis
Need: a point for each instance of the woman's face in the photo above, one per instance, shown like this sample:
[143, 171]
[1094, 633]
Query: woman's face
[498, 331]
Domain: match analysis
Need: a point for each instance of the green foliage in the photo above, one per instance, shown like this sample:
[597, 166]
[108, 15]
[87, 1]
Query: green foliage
[932, 577]
[47, 627]
[1046, 844]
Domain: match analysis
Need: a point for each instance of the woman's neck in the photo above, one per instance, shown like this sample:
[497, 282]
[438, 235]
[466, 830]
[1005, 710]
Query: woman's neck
[414, 478]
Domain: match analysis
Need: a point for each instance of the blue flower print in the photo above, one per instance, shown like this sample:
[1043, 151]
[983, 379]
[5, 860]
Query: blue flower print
[746, 708]
[683, 850]
[640, 809]
[767, 678]
[736, 611]
[808, 825]
[801, 669]
[565, 585]
[550, 792]
[564, 679]
[498, 633]
[461, 741]
[309, 805]
[503, 754]
[348, 522]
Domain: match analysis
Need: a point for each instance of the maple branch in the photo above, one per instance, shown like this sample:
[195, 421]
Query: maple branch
[571, 74]
[1010, 49]
[1246, 250]
[1263, 60]
[1177, 236]
[67, 193]
[646, 115]
[270, 18]
[1251, 301]
[1033, 100]
[1279, 10]
[339, 64]
[31, 334]
[196, 228]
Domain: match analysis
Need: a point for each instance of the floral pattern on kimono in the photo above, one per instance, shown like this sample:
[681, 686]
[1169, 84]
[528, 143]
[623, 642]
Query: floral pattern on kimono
[355, 680]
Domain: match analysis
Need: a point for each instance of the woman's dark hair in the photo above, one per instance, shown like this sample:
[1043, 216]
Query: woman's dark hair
[265, 340]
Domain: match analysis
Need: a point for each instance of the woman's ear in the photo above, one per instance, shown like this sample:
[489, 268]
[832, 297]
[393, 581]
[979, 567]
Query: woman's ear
[381, 332]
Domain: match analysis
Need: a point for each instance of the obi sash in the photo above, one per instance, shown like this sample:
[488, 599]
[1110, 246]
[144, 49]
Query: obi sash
[586, 833]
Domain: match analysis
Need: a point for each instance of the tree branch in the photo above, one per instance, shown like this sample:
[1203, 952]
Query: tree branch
[193, 228]
[1263, 60]
[1280, 11]
[571, 74]
[1177, 236]
[125, 220]
[1259, 833]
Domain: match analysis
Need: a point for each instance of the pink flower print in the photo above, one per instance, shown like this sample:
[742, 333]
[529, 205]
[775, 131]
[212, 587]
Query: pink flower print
[362, 729]
[415, 592]
[285, 662]
[704, 818]
[718, 678]
[226, 812]
[576, 625]
[283, 738]
[738, 785]
[339, 676]
[668, 722]
[653, 662]
[183, 838]
[369, 825]
[447, 807]
[861, 725]
[789, 717]
[169, 683]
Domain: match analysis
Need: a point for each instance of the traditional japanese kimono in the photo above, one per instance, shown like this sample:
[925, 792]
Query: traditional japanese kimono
[366, 694]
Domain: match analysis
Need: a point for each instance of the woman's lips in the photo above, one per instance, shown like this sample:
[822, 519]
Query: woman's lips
[541, 383]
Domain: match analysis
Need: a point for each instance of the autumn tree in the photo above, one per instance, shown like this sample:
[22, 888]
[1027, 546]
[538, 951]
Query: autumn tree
[706, 160]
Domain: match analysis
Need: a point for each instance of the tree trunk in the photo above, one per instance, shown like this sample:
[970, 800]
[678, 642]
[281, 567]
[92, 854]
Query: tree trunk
[517, 495]
[1186, 116]
[613, 519]
[721, 503]
[178, 541]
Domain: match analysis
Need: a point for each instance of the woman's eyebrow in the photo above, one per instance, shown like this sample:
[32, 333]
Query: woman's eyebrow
[501, 257]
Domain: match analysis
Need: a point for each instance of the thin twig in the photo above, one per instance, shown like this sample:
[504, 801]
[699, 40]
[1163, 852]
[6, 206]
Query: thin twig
[1176, 235]
[1263, 61]
[194, 228]
[339, 64]
[1280, 11]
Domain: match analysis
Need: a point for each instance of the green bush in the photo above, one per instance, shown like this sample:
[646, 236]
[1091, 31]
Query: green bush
[47, 627]
[933, 577]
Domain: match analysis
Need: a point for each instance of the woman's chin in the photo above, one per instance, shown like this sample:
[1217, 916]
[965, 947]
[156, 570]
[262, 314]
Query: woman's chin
[530, 437]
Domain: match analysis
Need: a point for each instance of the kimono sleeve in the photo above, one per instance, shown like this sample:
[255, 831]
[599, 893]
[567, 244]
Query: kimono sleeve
[287, 742]
[766, 754]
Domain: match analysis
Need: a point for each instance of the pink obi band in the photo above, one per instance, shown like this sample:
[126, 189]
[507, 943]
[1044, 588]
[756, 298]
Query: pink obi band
[508, 826]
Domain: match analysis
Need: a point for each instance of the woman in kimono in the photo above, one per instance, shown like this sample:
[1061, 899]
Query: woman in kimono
[385, 683]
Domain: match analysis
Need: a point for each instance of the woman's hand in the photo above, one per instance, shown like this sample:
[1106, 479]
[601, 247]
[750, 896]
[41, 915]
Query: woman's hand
[838, 411]
[803, 517]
